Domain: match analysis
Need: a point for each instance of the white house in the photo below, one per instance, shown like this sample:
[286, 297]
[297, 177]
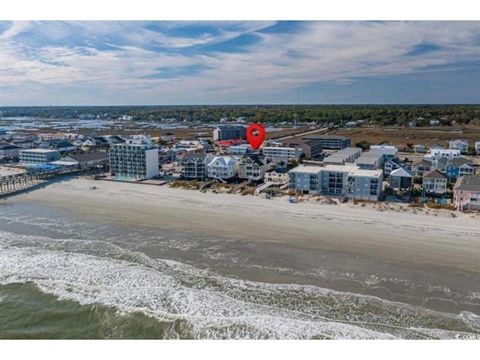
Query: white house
[477, 147]
[222, 167]
[435, 182]
[437, 154]
[461, 145]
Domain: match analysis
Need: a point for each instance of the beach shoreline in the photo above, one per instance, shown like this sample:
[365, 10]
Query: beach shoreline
[398, 236]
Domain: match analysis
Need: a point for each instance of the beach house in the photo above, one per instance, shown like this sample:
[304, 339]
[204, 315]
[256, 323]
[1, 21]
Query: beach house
[421, 167]
[253, 167]
[400, 179]
[477, 148]
[461, 145]
[436, 154]
[222, 167]
[194, 166]
[458, 167]
[278, 176]
[435, 182]
[466, 193]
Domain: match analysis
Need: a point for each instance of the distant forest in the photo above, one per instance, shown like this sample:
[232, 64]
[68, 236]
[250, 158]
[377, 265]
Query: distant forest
[400, 115]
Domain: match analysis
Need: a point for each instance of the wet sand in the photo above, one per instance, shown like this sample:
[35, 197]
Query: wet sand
[411, 238]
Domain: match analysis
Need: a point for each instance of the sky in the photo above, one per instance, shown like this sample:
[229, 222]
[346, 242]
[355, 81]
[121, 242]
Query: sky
[238, 62]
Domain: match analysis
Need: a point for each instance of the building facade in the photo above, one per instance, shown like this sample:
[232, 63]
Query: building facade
[252, 167]
[194, 167]
[133, 161]
[282, 153]
[228, 132]
[38, 156]
[461, 145]
[330, 142]
[435, 182]
[466, 193]
[222, 167]
[337, 180]
[341, 157]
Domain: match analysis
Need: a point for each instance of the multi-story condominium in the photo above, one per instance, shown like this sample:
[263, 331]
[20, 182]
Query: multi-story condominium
[388, 151]
[477, 148]
[222, 167]
[239, 149]
[458, 167]
[277, 176]
[421, 167]
[466, 193]
[194, 166]
[133, 161]
[252, 167]
[9, 151]
[341, 157]
[338, 180]
[332, 142]
[282, 153]
[461, 145]
[370, 160]
[436, 154]
[38, 156]
[311, 148]
[228, 132]
[435, 182]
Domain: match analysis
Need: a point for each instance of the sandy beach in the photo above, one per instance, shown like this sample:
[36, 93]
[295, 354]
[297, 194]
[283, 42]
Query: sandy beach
[399, 236]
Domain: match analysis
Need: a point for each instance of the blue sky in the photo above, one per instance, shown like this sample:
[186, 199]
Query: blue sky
[248, 62]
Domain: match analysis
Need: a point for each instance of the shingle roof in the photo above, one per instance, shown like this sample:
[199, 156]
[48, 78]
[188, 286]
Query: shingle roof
[435, 174]
[468, 182]
[458, 162]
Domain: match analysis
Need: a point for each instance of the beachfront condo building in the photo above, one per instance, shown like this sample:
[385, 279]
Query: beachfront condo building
[229, 132]
[331, 142]
[133, 161]
[347, 181]
[282, 153]
[38, 156]
[341, 157]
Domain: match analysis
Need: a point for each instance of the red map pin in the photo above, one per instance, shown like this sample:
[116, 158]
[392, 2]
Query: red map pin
[256, 135]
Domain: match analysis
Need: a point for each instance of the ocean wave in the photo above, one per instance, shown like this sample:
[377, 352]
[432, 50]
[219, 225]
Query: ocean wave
[205, 305]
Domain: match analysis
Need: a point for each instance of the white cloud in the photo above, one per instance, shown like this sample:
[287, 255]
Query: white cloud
[322, 51]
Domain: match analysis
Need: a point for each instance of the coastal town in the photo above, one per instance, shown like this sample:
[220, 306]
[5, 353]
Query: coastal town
[312, 163]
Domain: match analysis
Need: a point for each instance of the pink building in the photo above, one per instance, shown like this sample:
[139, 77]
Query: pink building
[466, 193]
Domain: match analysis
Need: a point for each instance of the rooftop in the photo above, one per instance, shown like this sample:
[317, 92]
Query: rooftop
[468, 183]
[39, 151]
[435, 174]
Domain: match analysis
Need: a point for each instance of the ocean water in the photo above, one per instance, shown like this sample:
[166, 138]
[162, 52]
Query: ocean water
[62, 276]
